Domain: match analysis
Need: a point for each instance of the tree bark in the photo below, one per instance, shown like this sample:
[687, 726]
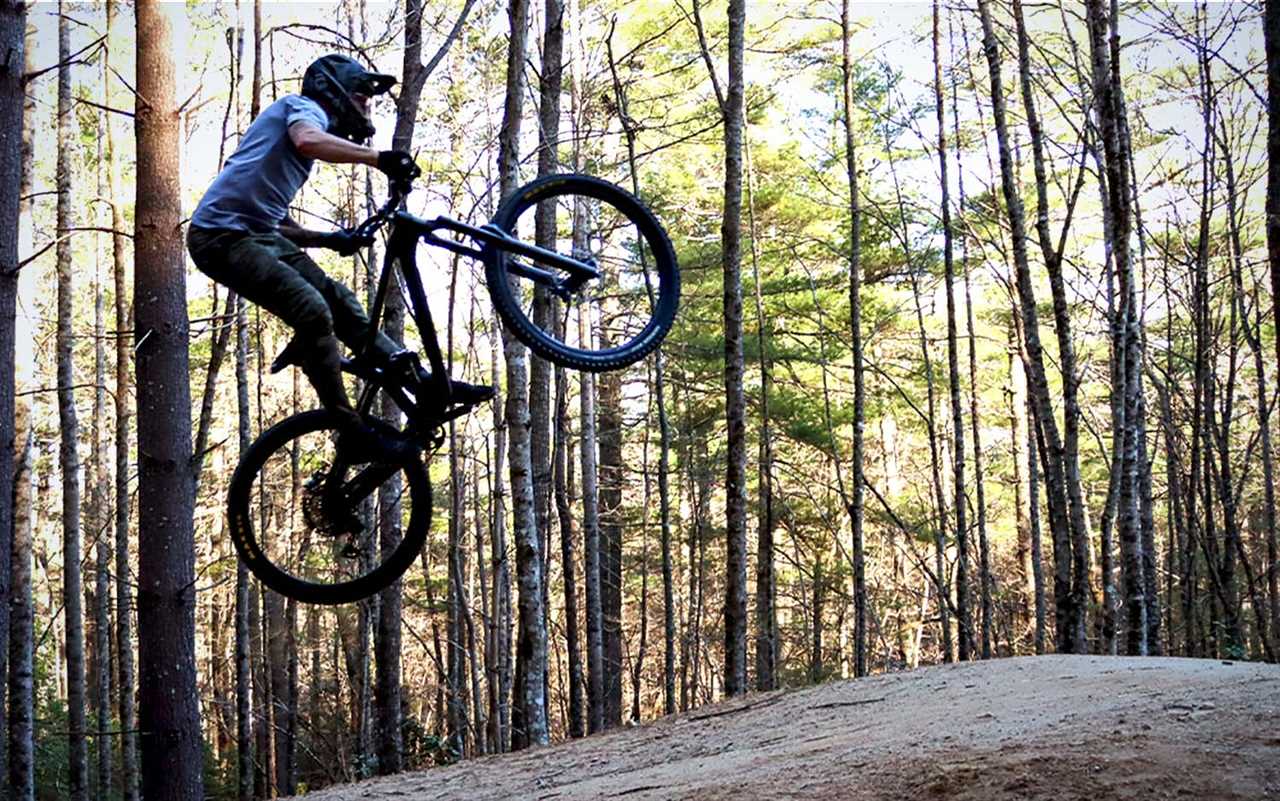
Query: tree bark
[101, 661]
[765, 612]
[170, 717]
[1271, 43]
[531, 649]
[68, 428]
[985, 578]
[17, 636]
[591, 542]
[735, 607]
[1037, 571]
[609, 436]
[1110, 111]
[953, 362]
[855, 340]
[1069, 617]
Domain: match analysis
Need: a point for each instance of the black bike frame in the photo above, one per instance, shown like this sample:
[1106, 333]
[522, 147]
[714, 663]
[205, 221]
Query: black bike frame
[427, 410]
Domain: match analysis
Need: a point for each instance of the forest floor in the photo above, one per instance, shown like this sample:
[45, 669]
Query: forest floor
[1051, 727]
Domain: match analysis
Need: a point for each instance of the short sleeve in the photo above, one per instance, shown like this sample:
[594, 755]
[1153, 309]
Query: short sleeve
[304, 109]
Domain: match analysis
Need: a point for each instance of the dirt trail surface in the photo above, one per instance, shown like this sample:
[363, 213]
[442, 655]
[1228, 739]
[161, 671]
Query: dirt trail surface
[1054, 727]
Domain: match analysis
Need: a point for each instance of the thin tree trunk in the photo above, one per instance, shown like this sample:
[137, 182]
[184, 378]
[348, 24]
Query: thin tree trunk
[1271, 43]
[609, 437]
[591, 542]
[245, 701]
[68, 426]
[1110, 112]
[170, 717]
[1036, 563]
[765, 612]
[576, 723]
[244, 675]
[1069, 628]
[98, 518]
[953, 362]
[732, 107]
[930, 416]
[545, 307]
[531, 650]
[855, 339]
[984, 553]
[17, 637]
[735, 609]
[500, 618]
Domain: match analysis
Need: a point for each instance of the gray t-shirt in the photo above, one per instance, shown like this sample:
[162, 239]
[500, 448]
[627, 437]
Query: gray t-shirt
[258, 182]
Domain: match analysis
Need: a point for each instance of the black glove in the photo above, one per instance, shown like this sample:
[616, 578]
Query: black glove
[398, 165]
[346, 242]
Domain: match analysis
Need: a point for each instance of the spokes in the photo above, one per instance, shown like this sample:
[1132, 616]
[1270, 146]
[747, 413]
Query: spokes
[310, 520]
[596, 232]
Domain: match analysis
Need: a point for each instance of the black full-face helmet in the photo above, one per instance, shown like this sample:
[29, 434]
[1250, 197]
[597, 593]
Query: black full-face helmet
[331, 81]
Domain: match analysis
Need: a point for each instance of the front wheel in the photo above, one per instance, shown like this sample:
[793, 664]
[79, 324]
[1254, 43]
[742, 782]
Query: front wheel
[610, 322]
[318, 531]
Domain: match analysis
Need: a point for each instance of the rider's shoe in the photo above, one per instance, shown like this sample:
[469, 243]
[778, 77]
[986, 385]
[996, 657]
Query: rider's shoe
[463, 393]
[360, 443]
[471, 394]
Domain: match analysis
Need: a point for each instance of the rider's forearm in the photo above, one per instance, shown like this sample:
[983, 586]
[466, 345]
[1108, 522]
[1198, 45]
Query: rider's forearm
[314, 143]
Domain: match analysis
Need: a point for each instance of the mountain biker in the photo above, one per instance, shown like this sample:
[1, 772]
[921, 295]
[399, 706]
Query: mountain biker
[241, 236]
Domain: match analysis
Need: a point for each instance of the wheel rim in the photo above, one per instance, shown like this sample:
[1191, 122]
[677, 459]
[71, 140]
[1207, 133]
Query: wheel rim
[296, 520]
[610, 318]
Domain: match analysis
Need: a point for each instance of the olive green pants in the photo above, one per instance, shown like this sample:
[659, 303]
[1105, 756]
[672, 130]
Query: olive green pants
[276, 274]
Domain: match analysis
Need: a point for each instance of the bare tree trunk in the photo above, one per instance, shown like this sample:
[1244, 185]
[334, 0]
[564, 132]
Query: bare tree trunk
[170, 717]
[984, 553]
[17, 745]
[576, 723]
[99, 523]
[245, 701]
[732, 111]
[500, 619]
[930, 417]
[1109, 99]
[545, 307]
[1037, 570]
[609, 437]
[244, 676]
[765, 583]
[591, 543]
[68, 426]
[953, 363]
[1069, 628]
[1240, 310]
[1271, 39]
[855, 338]
[531, 650]
[1052, 255]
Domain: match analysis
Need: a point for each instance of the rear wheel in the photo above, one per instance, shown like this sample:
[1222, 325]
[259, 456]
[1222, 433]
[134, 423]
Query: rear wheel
[610, 322]
[309, 527]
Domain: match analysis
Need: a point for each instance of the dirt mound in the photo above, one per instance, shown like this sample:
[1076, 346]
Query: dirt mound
[1054, 727]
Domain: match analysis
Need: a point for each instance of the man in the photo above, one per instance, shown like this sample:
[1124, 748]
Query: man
[242, 236]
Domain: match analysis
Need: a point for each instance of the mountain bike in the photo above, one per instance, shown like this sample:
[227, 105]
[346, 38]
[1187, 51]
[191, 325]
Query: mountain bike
[578, 269]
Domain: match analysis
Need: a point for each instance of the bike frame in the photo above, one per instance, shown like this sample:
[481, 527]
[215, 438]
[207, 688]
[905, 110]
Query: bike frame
[428, 409]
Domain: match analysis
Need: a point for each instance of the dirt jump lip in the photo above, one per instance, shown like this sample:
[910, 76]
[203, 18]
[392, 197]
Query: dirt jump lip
[1050, 727]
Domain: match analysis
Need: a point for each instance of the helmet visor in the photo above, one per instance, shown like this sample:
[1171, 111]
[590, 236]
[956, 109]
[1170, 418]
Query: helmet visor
[370, 84]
